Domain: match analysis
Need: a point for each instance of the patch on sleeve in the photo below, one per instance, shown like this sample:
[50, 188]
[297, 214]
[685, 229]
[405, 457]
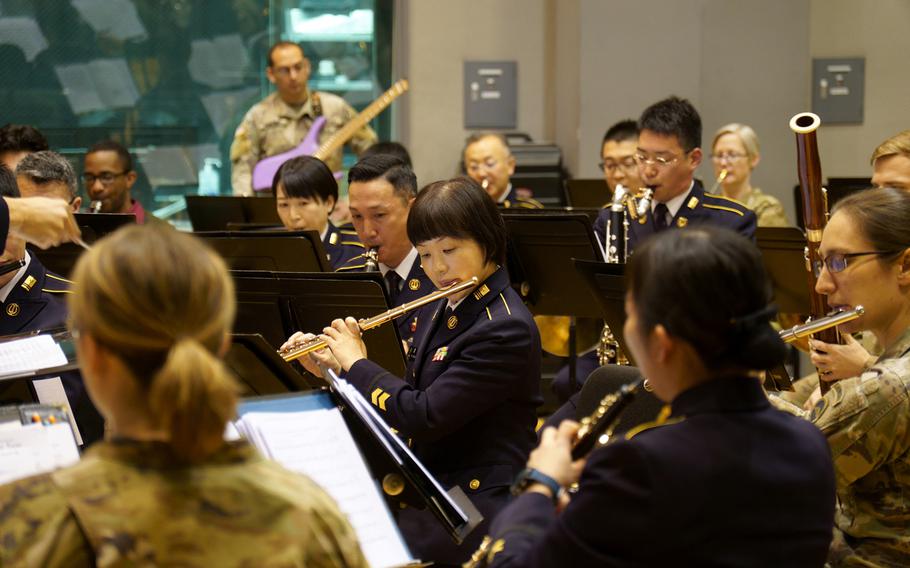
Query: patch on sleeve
[818, 409]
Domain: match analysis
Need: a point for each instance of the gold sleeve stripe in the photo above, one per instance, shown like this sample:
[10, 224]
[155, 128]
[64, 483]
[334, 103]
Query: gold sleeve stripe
[504, 303]
[730, 209]
[489, 316]
[57, 291]
[343, 268]
[353, 243]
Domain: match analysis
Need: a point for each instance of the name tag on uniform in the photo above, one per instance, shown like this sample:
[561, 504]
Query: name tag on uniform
[440, 354]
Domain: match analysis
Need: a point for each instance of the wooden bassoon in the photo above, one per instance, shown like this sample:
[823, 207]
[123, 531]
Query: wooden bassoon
[815, 217]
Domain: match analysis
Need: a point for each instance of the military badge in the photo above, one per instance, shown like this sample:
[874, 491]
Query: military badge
[692, 203]
[481, 292]
[682, 222]
[414, 284]
[12, 310]
[440, 354]
[452, 322]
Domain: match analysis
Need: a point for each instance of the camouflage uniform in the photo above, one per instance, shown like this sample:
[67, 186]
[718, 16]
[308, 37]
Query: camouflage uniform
[767, 208]
[127, 503]
[272, 126]
[867, 422]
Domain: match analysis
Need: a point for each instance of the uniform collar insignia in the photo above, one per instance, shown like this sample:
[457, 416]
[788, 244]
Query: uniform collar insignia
[28, 283]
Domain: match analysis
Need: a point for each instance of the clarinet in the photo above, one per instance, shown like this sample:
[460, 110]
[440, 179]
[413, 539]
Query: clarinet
[617, 227]
[371, 264]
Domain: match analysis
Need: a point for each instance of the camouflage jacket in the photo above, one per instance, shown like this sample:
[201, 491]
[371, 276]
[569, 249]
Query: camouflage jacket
[767, 208]
[126, 503]
[272, 126]
[867, 422]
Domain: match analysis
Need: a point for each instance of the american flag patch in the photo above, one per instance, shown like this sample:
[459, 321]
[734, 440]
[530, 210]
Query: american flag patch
[440, 354]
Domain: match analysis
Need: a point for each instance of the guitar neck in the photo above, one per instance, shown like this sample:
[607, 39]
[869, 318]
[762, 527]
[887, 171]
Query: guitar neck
[347, 132]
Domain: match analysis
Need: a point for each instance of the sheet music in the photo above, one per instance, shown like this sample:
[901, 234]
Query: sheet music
[50, 391]
[113, 18]
[317, 443]
[30, 354]
[25, 34]
[32, 449]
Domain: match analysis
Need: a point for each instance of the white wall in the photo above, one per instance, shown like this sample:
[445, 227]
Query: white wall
[880, 32]
[585, 64]
[443, 34]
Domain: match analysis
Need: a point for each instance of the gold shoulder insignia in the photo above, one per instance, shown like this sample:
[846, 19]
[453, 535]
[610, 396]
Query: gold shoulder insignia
[725, 198]
[355, 267]
[481, 292]
[30, 281]
[333, 239]
[49, 275]
[693, 202]
[506, 304]
[722, 208]
[651, 425]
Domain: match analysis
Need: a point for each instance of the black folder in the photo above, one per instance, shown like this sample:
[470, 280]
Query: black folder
[587, 192]
[214, 213]
[62, 258]
[277, 304]
[783, 254]
[286, 251]
[606, 283]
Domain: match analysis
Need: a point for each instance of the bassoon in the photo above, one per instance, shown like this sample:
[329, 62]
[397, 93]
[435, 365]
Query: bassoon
[815, 217]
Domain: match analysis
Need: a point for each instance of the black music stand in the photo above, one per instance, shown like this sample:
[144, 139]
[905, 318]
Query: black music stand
[277, 304]
[592, 193]
[262, 371]
[783, 254]
[213, 213]
[61, 259]
[606, 283]
[286, 251]
[542, 246]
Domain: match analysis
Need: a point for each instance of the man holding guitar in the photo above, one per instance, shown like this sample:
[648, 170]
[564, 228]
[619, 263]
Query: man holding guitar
[282, 120]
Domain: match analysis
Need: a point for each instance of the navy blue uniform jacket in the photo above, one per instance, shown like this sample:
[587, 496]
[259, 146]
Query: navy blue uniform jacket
[699, 208]
[726, 481]
[467, 404]
[341, 244]
[417, 285]
[38, 301]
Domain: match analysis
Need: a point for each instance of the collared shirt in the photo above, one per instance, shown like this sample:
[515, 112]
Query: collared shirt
[404, 267]
[675, 204]
[505, 194]
[8, 287]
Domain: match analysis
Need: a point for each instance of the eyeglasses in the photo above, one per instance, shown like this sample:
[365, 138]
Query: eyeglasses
[837, 262]
[628, 164]
[727, 157]
[658, 161]
[106, 178]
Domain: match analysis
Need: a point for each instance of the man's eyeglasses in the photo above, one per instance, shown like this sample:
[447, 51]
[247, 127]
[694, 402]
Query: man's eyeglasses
[727, 157]
[609, 166]
[658, 161]
[837, 262]
[105, 178]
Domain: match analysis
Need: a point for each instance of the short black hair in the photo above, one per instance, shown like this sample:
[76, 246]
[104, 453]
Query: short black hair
[673, 116]
[8, 185]
[621, 131]
[389, 168]
[390, 148]
[458, 208]
[279, 45]
[707, 286]
[21, 138]
[308, 177]
[126, 160]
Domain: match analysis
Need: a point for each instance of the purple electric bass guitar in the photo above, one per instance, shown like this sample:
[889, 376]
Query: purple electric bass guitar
[265, 170]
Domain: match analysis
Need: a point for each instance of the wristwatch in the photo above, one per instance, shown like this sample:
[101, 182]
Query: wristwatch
[530, 475]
